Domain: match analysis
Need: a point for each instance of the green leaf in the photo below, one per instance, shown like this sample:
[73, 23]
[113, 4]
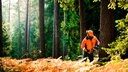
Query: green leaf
[125, 6]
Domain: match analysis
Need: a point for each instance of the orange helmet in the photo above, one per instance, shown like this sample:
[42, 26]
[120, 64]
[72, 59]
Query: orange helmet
[90, 33]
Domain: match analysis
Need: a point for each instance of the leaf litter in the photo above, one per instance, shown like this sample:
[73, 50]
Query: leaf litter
[58, 65]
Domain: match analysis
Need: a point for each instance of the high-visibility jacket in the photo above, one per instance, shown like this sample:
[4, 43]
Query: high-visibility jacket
[89, 44]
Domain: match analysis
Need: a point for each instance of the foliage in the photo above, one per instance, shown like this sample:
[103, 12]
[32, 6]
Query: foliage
[67, 4]
[96, 0]
[48, 15]
[123, 4]
[34, 54]
[70, 32]
[7, 47]
[15, 37]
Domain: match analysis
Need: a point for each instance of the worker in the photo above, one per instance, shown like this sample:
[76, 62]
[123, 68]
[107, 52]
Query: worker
[88, 44]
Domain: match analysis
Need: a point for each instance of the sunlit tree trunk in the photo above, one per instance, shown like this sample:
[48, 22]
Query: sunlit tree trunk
[8, 18]
[19, 42]
[64, 44]
[9, 2]
[27, 29]
[106, 26]
[56, 34]
[42, 37]
[1, 46]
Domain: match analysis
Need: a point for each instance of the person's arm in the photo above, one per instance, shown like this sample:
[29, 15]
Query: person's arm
[95, 41]
[83, 45]
[98, 42]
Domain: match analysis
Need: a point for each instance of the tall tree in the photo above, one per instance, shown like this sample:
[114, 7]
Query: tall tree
[1, 47]
[27, 29]
[9, 2]
[82, 18]
[19, 40]
[82, 22]
[106, 26]
[42, 38]
[56, 34]
[64, 45]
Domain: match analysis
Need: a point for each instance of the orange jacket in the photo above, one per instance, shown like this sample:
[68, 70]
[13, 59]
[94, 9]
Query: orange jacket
[90, 44]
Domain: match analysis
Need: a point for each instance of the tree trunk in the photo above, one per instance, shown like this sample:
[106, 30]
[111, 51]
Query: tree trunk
[64, 44]
[42, 37]
[9, 2]
[19, 42]
[56, 33]
[1, 44]
[106, 26]
[27, 29]
[82, 22]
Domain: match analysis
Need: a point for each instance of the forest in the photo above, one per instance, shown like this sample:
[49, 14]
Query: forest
[46, 35]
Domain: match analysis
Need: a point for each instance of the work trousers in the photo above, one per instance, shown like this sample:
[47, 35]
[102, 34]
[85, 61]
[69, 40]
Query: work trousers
[90, 56]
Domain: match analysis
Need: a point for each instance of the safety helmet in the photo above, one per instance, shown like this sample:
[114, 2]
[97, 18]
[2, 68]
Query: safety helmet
[90, 33]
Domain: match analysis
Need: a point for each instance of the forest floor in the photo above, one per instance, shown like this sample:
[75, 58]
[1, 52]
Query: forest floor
[58, 65]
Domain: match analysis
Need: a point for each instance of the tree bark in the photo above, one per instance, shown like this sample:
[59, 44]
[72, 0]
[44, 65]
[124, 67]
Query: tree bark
[19, 42]
[56, 34]
[64, 44]
[1, 43]
[42, 37]
[106, 26]
[9, 2]
[82, 18]
[82, 22]
[27, 29]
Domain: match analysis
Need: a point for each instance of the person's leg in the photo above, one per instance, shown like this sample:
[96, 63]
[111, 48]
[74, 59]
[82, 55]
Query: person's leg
[85, 54]
[91, 57]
